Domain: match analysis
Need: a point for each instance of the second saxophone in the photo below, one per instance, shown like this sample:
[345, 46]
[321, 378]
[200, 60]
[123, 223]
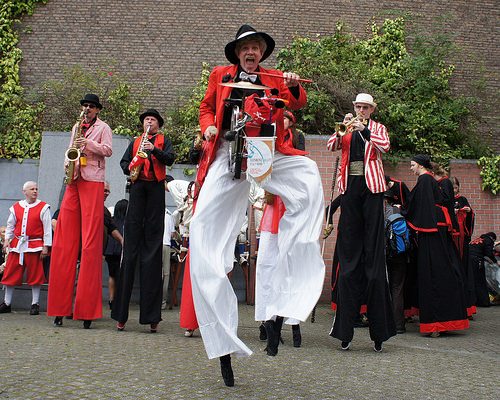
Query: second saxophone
[134, 173]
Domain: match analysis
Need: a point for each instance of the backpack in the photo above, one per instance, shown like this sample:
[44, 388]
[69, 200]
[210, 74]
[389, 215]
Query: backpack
[397, 235]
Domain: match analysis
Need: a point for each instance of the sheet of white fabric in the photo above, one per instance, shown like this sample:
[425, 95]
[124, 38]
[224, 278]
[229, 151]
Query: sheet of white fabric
[220, 212]
[267, 274]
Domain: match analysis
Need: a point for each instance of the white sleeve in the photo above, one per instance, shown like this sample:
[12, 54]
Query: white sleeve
[11, 224]
[47, 226]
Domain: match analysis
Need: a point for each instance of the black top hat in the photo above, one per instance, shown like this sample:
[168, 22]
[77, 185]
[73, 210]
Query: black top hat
[151, 112]
[91, 98]
[244, 32]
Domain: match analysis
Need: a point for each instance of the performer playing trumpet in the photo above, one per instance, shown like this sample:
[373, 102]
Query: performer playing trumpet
[81, 215]
[222, 203]
[144, 223]
[360, 241]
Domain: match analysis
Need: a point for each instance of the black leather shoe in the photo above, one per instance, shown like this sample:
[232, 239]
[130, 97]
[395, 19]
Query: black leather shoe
[58, 321]
[35, 309]
[4, 308]
[345, 346]
[297, 337]
[87, 323]
[226, 370]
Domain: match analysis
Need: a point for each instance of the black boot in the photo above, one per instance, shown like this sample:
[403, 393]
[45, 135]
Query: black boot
[273, 331]
[262, 333]
[87, 323]
[58, 321]
[297, 337]
[226, 370]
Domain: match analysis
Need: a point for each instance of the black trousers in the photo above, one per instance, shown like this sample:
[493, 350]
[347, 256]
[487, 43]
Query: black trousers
[361, 252]
[142, 247]
[396, 268]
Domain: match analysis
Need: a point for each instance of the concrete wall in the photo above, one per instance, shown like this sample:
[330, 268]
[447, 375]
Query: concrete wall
[12, 177]
[162, 44]
[51, 172]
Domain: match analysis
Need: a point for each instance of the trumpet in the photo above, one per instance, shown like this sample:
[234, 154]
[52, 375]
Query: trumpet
[342, 128]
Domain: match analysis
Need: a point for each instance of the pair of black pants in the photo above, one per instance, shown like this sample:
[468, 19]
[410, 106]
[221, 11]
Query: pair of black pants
[362, 270]
[396, 268]
[142, 247]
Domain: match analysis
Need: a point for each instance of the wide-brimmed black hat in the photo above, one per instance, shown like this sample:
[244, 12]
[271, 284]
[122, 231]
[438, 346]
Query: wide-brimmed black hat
[91, 98]
[245, 32]
[151, 112]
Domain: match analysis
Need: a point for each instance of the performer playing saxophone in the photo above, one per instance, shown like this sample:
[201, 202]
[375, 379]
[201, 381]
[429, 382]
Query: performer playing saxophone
[81, 216]
[144, 223]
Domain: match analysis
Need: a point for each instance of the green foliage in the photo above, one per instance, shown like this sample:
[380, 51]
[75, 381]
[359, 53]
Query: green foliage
[412, 89]
[181, 123]
[490, 173]
[19, 121]
[62, 99]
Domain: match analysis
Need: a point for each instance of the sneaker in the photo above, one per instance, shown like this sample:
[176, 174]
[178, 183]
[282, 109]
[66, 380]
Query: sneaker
[262, 333]
[4, 308]
[120, 326]
[188, 332]
[345, 346]
[35, 309]
[377, 347]
[153, 328]
[164, 305]
[58, 321]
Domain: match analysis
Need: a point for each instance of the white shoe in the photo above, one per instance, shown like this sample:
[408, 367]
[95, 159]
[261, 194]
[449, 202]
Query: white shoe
[189, 332]
[163, 305]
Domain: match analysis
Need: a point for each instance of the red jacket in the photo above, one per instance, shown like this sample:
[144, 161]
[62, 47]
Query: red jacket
[212, 111]
[374, 170]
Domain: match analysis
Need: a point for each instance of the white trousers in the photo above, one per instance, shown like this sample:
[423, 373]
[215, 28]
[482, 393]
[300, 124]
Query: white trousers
[220, 212]
[268, 274]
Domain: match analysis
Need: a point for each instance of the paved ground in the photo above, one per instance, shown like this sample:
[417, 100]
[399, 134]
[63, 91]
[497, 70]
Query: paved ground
[39, 361]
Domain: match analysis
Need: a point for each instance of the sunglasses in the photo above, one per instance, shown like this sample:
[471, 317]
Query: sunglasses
[88, 105]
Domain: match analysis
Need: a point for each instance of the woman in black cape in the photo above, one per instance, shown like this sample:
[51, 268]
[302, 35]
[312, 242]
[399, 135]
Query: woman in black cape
[440, 287]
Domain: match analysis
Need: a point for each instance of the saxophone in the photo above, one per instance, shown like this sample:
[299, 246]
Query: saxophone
[134, 173]
[73, 154]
